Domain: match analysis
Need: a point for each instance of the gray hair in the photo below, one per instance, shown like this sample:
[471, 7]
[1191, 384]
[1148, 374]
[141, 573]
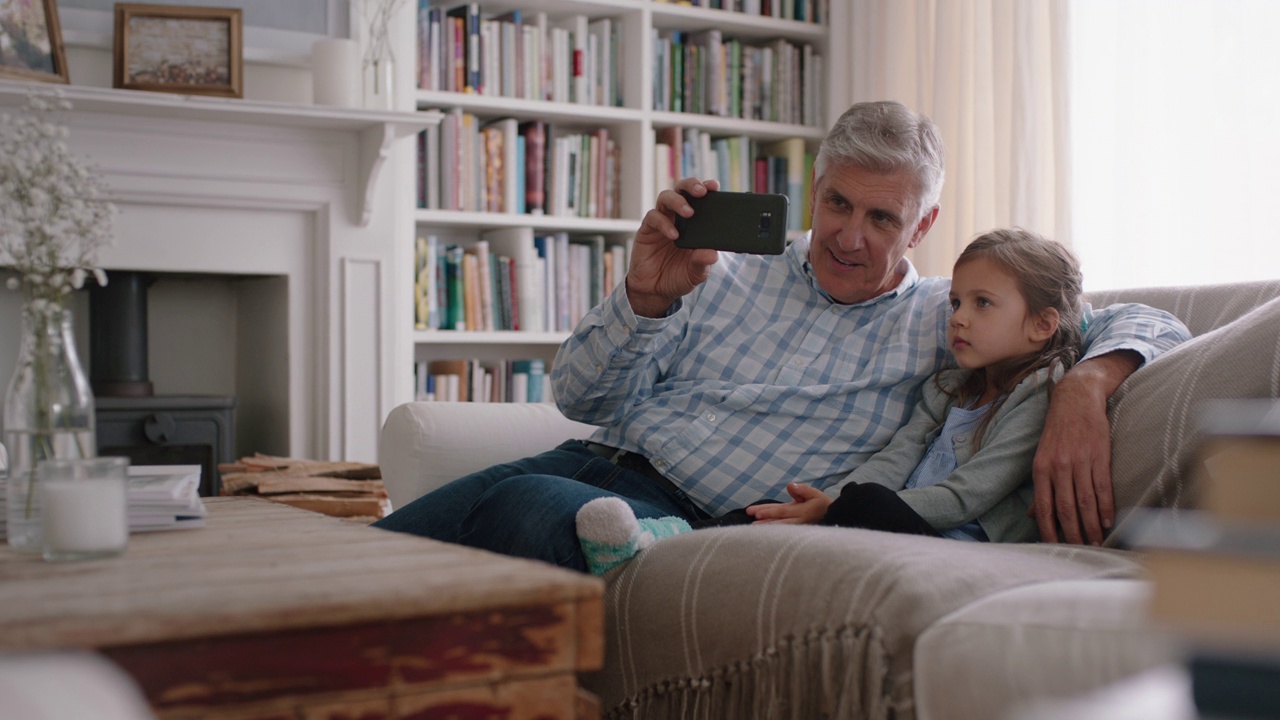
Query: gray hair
[887, 137]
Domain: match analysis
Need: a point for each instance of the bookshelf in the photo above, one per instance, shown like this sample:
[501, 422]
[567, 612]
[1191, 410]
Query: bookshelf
[644, 32]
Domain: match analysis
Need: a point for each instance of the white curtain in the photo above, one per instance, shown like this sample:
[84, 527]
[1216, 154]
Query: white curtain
[1177, 147]
[993, 74]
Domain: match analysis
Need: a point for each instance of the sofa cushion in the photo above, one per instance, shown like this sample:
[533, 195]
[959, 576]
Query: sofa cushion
[1200, 307]
[787, 621]
[1049, 640]
[1155, 414]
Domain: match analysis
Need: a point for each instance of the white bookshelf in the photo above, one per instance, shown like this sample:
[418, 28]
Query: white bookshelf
[633, 125]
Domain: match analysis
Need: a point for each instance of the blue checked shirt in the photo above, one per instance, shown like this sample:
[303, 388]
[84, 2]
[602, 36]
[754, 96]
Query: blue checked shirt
[758, 378]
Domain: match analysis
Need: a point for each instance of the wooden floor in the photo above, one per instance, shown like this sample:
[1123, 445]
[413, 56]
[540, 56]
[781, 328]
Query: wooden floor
[275, 612]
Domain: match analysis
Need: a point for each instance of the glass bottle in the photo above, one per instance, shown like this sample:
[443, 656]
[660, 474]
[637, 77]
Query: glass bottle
[379, 61]
[48, 413]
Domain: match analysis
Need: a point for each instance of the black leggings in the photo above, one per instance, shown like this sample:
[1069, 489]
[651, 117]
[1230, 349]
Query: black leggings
[869, 506]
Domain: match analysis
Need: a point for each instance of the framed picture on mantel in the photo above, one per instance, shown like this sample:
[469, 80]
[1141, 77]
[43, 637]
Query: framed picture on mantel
[189, 50]
[31, 42]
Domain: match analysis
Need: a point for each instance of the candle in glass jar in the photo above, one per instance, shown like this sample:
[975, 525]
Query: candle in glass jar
[84, 508]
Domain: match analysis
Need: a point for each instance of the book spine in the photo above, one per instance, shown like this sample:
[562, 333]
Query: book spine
[535, 172]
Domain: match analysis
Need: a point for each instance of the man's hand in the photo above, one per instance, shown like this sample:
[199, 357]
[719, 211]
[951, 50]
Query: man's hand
[1072, 468]
[808, 505]
[660, 272]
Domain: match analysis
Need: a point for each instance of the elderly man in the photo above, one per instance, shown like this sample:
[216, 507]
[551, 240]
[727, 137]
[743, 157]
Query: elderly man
[718, 380]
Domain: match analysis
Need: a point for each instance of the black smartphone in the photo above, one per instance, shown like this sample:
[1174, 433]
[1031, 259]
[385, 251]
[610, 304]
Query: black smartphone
[739, 222]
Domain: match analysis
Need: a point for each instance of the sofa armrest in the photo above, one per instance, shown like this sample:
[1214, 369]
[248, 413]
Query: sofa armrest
[424, 445]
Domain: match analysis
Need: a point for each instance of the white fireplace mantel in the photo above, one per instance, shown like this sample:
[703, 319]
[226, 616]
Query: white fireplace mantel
[316, 198]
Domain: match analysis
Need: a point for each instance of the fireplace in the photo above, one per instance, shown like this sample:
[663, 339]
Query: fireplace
[300, 214]
[131, 421]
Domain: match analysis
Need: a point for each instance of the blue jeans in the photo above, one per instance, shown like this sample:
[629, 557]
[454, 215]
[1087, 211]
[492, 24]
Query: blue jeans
[527, 508]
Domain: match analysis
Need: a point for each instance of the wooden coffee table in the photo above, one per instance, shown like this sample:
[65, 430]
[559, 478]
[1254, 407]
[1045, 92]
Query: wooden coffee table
[271, 612]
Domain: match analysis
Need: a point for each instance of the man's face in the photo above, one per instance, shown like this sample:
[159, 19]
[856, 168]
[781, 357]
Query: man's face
[863, 224]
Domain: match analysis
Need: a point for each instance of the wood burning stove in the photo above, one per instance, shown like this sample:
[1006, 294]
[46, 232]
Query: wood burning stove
[131, 421]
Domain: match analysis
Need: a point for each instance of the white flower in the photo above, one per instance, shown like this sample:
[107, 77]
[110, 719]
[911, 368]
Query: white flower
[53, 215]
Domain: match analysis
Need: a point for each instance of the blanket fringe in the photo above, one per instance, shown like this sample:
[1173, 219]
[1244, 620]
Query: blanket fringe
[835, 674]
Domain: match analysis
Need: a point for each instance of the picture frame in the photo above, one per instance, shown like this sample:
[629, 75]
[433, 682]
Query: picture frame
[177, 49]
[31, 42]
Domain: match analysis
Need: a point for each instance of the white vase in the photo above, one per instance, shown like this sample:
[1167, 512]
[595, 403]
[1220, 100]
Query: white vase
[48, 414]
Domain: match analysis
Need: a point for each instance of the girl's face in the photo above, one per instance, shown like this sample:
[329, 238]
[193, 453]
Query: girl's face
[989, 317]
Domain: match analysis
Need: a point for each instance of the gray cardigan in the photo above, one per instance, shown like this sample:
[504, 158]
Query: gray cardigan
[992, 484]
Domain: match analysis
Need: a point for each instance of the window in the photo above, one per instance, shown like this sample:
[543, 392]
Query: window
[1175, 141]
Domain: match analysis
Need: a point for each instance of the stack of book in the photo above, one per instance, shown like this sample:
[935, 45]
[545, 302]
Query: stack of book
[511, 279]
[527, 168]
[159, 497]
[470, 380]
[164, 497]
[1216, 569]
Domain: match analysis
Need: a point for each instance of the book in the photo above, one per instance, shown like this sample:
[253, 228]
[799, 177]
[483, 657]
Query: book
[1234, 477]
[672, 138]
[712, 95]
[164, 497]
[793, 151]
[431, 167]
[495, 168]
[605, 61]
[546, 245]
[535, 166]
[472, 309]
[1227, 685]
[593, 270]
[518, 244]
[576, 58]
[512, 43]
[511, 168]
[1216, 583]
[451, 160]
[470, 175]
[534, 372]
[423, 289]
[451, 377]
[456, 293]
[469, 14]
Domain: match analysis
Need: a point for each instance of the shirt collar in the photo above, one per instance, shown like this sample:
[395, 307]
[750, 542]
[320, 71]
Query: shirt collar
[798, 254]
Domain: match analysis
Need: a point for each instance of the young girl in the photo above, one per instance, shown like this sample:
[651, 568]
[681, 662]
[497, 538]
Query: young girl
[961, 466]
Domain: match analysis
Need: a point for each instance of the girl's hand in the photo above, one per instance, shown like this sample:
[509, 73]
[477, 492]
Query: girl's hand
[808, 506]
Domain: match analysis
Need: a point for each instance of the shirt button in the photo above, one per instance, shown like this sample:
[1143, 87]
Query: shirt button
[626, 329]
[659, 463]
[798, 362]
[962, 439]
[599, 368]
[711, 417]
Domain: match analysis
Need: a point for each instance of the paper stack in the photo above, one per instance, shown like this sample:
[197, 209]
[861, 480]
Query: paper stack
[165, 497]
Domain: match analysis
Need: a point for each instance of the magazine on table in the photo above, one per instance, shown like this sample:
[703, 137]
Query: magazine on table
[165, 497]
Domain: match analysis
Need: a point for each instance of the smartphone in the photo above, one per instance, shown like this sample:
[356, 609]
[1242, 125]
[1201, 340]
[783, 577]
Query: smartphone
[739, 222]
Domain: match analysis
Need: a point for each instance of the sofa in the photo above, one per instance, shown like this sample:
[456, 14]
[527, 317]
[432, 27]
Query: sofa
[816, 622]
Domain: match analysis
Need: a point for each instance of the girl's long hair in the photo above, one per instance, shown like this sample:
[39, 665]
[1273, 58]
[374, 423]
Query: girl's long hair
[1048, 276]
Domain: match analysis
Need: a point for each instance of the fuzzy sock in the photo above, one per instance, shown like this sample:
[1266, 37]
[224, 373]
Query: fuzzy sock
[610, 533]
